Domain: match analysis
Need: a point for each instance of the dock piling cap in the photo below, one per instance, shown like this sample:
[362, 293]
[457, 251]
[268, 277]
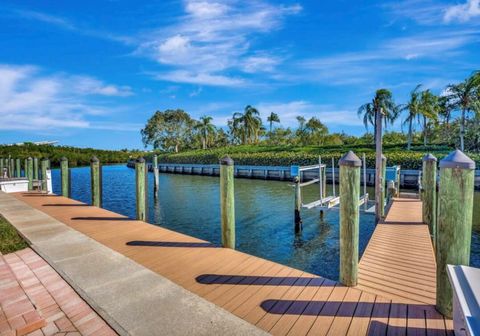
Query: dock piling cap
[457, 159]
[140, 160]
[226, 161]
[350, 160]
[94, 159]
[429, 158]
[63, 158]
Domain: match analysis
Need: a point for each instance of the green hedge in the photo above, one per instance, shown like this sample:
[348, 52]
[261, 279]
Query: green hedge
[307, 156]
[76, 156]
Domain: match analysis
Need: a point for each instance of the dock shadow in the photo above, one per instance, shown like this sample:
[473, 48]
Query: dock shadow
[219, 279]
[345, 309]
[103, 218]
[170, 244]
[65, 205]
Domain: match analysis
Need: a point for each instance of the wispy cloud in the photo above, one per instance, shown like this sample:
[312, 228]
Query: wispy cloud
[435, 12]
[328, 114]
[463, 12]
[37, 102]
[64, 23]
[394, 56]
[213, 37]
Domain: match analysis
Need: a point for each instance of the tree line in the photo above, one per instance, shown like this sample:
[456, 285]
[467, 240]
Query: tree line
[452, 117]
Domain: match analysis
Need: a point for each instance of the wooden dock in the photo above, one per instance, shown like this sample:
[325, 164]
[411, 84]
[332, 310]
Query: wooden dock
[394, 296]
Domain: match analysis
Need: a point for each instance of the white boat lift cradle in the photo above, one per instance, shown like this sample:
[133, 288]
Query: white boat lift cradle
[331, 201]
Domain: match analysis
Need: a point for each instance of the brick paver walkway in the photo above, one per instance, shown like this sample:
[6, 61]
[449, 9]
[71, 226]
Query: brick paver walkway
[36, 301]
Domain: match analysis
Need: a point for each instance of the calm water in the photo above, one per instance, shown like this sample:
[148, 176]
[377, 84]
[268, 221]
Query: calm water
[264, 215]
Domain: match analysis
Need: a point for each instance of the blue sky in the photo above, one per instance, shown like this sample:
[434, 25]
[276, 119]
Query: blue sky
[90, 73]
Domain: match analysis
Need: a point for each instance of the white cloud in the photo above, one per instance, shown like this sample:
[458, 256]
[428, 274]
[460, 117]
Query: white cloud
[463, 12]
[213, 37]
[36, 102]
[329, 115]
[398, 55]
[89, 85]
[200, 78]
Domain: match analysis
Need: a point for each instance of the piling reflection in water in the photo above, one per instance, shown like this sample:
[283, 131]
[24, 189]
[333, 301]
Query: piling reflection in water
[264, 218]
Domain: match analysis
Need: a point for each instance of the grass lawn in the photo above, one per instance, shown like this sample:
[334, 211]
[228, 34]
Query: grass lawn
[10, 241]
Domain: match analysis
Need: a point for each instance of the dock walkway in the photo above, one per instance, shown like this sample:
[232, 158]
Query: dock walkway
[276, 298]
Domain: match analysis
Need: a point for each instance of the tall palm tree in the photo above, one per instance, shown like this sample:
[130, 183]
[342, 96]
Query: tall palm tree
[412, 107]
[428, 110]
[273, 117]
[206, 129]
[465, 97]
[382, 103]
[250, 122]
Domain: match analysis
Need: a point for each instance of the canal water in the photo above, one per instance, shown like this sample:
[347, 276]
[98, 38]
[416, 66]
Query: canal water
[264, 215]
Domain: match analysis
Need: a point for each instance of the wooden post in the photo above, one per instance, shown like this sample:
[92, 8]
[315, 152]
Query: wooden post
[429, 194]
[454, 221]
[65, 177]
[1, 167]
[30, 173]
[227, 202]
[96, 181]
[35, 168]
[25, 167]
[44, 167]
[18, 168]
[12, 167]
[378, 166]
[298, 204]
[141, 188]
[156, 181]
[384, 186]
[349, 217]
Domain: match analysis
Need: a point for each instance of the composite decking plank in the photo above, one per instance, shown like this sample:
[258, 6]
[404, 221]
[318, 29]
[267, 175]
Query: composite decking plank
[277, 298]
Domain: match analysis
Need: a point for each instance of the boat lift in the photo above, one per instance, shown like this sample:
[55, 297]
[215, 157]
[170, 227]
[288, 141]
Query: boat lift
[331, 201]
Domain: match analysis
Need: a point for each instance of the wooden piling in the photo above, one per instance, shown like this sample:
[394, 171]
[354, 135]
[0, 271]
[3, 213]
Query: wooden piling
[383, 187]
[18, 168]
[454, 221]
[30, 173]
[25, 167]
[298, 205]
[35, 168]
[141, 189]
[429, 194]
[349, 217]
[65, 177]
[44, 167]
[227, 202]
[96, 181]
[1, 167]
[12, 167]
[156, 181]
[378, 165]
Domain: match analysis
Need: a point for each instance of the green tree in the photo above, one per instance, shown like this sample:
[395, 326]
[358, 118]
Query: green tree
[206, 129]
[168, 130]
[316, 131]
[382, 103]
[301, 132]
[412, 107]
[428, 110]
[273, 117]
[247, 125]
[465, 97]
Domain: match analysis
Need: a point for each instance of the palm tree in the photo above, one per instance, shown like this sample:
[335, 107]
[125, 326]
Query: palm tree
[412, 107]
[273, 117]
[428, 110]
[465, 97]
[250, 123]
[206, 128]
[382, 103]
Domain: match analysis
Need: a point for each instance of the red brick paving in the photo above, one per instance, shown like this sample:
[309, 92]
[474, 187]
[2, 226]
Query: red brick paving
[36, 301]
